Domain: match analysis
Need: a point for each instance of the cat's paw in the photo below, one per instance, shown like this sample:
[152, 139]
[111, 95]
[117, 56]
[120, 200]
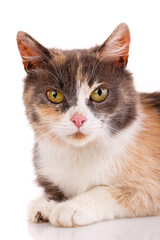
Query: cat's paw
[71, 214]
[39, 210]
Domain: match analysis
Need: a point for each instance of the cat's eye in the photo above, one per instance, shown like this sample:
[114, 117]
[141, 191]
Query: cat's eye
[99, 94]
[55, 96]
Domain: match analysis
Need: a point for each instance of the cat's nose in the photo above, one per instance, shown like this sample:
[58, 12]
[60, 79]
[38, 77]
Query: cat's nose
[78, 119]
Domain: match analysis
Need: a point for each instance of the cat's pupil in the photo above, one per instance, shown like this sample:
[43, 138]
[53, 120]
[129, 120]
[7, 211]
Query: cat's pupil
[54, 93]
[99, 92]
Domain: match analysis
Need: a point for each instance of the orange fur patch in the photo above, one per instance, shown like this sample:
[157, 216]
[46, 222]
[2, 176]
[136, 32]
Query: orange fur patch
[49, 113]
[137, 185]
[46, 114]
[79, 73]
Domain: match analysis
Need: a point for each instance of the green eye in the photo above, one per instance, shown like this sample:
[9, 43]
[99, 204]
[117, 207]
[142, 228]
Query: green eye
[99, 94]
[55, 96]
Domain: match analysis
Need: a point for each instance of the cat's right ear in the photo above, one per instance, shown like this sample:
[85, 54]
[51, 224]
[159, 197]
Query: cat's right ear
[116, 47]
[32, 52]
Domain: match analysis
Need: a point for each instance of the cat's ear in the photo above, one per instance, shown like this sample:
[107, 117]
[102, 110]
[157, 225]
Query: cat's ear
[116, 47]
[32, 52]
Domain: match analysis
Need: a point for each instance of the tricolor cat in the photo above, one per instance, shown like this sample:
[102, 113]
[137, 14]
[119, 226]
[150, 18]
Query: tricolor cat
[97, 140]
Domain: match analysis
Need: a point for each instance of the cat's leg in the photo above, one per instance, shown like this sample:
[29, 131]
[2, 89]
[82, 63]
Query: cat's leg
[93, 206]
[40, 209]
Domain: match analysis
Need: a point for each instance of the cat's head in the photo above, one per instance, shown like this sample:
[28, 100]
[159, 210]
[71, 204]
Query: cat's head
[78, 96]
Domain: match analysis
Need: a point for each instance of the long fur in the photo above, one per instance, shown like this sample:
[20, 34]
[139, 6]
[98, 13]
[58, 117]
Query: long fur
[110, 166]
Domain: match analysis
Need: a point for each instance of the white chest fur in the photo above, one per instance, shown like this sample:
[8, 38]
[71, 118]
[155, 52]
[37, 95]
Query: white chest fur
[74, 170]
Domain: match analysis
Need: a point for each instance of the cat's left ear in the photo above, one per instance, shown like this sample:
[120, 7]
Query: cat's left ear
[116, 47]
[32, 52]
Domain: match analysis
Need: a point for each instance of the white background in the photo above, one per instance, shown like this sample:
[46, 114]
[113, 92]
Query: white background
[65, 24]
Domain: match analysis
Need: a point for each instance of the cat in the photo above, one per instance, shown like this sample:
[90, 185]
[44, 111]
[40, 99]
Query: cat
[97, 140]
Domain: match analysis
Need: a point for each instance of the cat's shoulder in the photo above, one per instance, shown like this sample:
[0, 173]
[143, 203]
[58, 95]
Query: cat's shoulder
[151, 100]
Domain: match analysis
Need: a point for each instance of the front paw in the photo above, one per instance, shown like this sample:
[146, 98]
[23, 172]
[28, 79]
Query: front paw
[39, 210]
[71, 214]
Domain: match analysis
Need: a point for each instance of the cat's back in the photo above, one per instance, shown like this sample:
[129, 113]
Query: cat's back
[151, 101]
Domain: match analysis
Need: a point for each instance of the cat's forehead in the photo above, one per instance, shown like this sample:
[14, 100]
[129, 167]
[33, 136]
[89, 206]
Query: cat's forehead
[75, 54]
[78, 64]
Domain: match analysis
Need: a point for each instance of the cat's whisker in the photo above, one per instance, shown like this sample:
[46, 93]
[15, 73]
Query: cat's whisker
[50, 61]
[93, 70]
[95, 67]
[44, 70]
[60, 70]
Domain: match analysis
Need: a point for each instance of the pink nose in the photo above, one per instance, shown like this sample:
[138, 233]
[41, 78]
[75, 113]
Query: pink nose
[78, 119]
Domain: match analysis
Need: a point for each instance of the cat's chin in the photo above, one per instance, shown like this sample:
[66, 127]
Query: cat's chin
[78, 136]
[78, 139]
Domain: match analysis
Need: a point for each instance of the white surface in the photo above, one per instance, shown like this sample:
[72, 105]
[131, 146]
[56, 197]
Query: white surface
[125, 229]
[66, 24]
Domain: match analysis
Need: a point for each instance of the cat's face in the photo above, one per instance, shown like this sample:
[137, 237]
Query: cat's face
[78, 96]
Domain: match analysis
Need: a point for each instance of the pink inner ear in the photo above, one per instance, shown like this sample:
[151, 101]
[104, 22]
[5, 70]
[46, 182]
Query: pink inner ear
[27, 49]
[117, 45]
[26, 46]
[124, 43]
